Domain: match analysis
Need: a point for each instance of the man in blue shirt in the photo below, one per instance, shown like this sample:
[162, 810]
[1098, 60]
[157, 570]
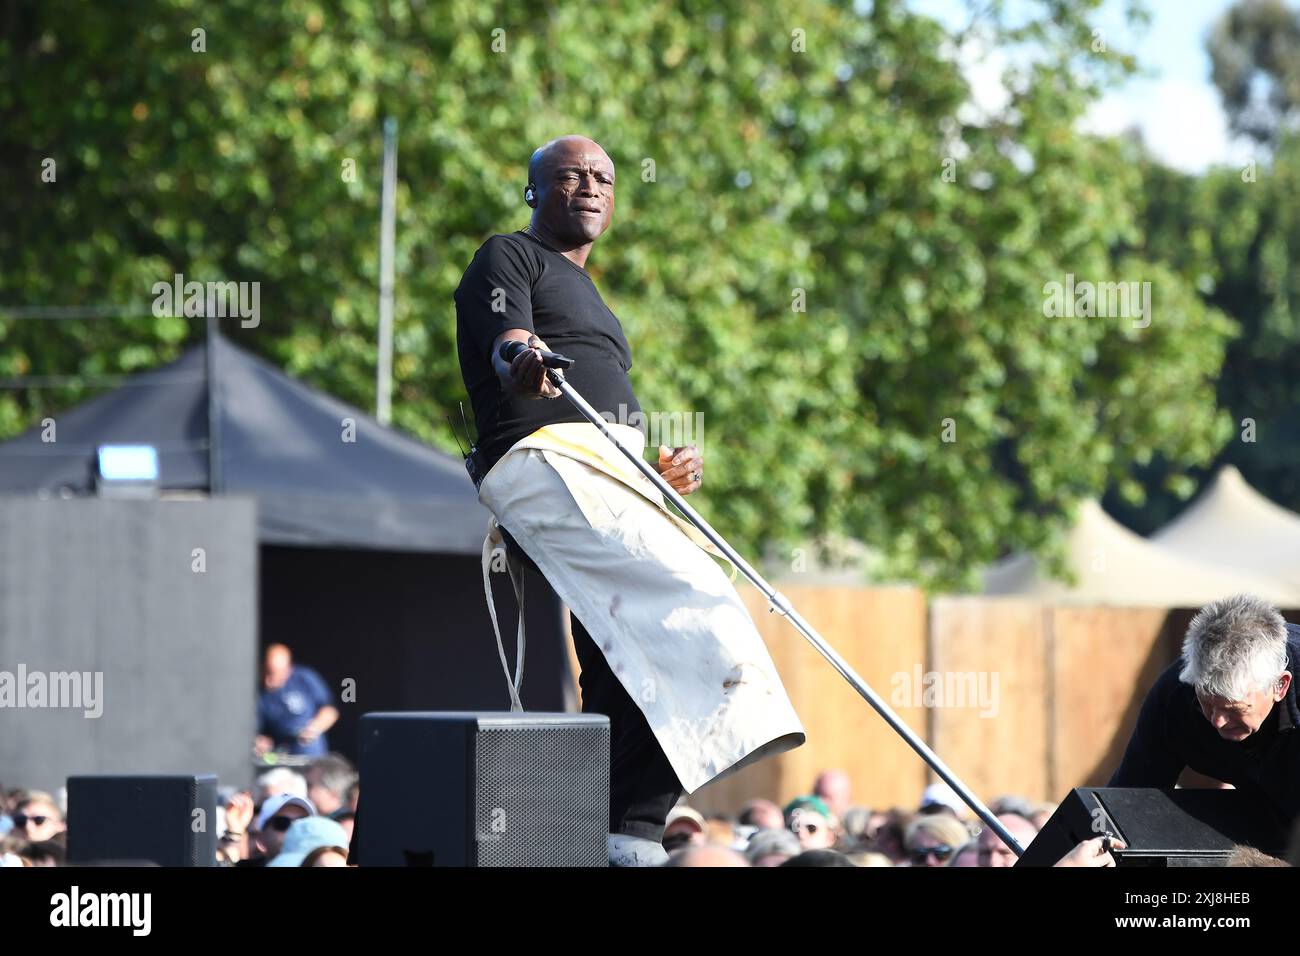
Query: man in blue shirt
[295, 707]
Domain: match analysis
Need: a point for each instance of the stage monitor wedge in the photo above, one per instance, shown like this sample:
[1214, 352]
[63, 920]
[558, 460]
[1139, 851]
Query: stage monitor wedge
[1161, 827]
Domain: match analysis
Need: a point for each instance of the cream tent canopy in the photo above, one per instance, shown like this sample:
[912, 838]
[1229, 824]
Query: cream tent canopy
[1232, 524]
[1112, 565]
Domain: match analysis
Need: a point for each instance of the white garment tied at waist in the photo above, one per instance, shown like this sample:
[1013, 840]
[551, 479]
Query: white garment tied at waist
[664, 615]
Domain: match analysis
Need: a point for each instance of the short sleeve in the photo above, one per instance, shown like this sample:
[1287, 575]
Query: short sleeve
[495, 293]
[317, 690]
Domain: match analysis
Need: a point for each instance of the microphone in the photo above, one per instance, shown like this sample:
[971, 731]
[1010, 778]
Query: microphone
[511, 348]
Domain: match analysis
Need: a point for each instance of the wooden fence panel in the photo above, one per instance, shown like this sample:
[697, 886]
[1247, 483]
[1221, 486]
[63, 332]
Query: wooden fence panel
[1104, 661]
[997, 742]
[881, 632]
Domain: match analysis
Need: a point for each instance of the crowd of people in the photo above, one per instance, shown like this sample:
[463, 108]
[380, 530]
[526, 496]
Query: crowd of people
[826, 828]
[304, 817]
[290, 817]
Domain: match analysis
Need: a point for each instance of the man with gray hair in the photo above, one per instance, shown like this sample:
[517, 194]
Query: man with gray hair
[1226, 708]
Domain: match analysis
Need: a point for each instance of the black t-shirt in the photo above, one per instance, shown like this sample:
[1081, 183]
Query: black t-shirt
[517, 282]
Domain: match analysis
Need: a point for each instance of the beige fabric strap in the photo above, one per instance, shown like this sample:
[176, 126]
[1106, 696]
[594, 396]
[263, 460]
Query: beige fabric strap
[584, 442]
[570, 443]
[491, 543]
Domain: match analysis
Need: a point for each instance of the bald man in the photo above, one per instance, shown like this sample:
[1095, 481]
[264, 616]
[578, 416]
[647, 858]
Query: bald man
[295, 707]
[665, 646]
[536, 277]
[836, 789]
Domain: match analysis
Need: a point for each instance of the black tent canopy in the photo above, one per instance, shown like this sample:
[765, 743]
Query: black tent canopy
[324, 473]
[368, 565]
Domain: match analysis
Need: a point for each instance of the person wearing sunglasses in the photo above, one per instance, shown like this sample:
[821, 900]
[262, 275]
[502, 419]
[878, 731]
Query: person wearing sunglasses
[810, 820]
[37, 818]
[933, 839]
[273, 821]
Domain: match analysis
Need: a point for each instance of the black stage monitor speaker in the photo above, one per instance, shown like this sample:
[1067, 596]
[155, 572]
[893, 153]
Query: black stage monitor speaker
[483, 789]
[169, 820]
[1161, 827]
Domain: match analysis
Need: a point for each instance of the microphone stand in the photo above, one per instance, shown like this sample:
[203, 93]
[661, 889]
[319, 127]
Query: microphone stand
[779, 603]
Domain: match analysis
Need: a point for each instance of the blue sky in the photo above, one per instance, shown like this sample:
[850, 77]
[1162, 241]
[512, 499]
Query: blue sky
[1173, 103]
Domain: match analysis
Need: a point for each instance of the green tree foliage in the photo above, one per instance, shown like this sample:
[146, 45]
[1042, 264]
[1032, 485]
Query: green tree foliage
[1234, 234]
[819, 244]
[1255, 57]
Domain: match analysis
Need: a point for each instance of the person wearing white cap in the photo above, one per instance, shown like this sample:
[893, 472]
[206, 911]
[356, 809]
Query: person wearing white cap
[938, 797]
[685, 826]
[276, 816]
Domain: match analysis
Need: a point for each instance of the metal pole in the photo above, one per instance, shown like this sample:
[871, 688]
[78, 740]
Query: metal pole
[387, 226]
[781, 604]
[214, 407]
